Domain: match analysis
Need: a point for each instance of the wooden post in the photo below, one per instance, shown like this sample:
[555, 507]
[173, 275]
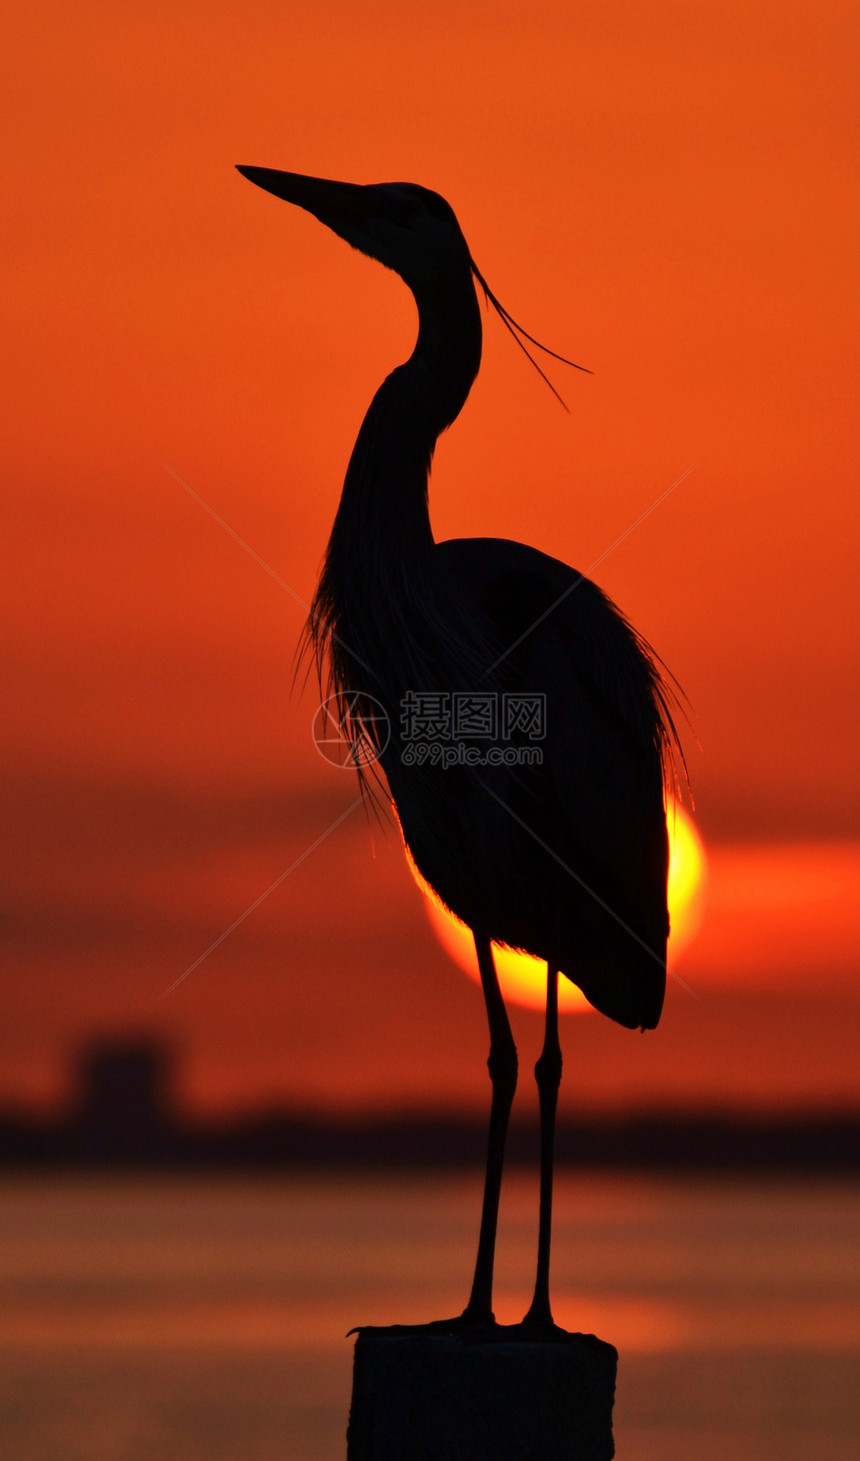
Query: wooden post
[441, 1397]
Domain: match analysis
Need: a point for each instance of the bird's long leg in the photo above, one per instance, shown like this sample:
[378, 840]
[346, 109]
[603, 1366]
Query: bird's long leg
[548, 1076]
[503, 1065]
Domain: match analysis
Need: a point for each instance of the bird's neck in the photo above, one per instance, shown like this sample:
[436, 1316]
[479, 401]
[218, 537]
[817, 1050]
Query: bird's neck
[383, 517]
[378, 615]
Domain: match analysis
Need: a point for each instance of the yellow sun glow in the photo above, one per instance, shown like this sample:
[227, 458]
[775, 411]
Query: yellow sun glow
[523, 978]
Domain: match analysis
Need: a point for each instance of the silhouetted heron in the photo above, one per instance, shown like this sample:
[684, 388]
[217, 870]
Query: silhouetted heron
[564, 855]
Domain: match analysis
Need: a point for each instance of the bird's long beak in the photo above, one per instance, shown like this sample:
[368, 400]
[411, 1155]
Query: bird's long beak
[335, 204]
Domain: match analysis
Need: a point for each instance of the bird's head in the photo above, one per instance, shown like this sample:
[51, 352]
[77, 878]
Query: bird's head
[407, 228]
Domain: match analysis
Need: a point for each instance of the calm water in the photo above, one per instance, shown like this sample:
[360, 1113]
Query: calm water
[204, 1320]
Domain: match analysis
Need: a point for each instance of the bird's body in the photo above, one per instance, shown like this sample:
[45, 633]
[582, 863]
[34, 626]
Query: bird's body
[536, 855]
[562, 853]
[583, 830]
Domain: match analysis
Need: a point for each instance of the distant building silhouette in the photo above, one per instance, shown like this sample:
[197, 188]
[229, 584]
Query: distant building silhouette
[125, 1110]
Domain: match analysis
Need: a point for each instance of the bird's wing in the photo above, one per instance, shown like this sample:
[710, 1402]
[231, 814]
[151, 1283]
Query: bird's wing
[529, 595]
[599, 806]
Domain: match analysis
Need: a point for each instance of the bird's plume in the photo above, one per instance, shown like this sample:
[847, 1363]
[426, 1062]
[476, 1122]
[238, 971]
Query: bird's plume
[517, 330]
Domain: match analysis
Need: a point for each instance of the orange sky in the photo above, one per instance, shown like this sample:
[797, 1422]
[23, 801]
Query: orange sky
[668, 193]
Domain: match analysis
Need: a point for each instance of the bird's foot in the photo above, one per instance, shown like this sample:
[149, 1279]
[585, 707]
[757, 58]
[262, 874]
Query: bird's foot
[538, 1327]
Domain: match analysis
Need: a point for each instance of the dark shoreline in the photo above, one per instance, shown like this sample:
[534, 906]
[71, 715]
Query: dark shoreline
[668, 1143]
[125, 1118]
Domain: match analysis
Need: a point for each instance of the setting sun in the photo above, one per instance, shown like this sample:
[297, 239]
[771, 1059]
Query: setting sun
[523, 978]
